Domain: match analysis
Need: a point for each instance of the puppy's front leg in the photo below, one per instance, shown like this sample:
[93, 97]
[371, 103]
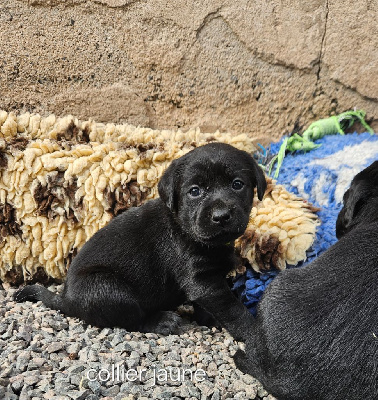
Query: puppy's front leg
[203, 317]
[217, 299]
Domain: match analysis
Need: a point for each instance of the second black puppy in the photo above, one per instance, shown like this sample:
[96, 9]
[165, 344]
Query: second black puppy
[316, 333]
[151, 259]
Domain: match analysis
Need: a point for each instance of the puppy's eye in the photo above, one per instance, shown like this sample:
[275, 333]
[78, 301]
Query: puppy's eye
[194, 191]
[237, 184]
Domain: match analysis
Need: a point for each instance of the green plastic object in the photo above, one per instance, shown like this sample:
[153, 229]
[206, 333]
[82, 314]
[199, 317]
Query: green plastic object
[328, 126]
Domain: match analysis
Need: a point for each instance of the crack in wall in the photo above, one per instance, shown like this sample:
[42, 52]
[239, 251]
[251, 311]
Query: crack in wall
[262, 56]
[74, 3]
[322, 47]
[209, 17]
[123, 6]
[52, 3]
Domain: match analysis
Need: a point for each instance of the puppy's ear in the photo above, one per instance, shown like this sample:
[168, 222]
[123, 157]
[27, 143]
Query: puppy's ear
[363, 188]
[259, 178]
[260, 181]
[167, 186]
[354, 199]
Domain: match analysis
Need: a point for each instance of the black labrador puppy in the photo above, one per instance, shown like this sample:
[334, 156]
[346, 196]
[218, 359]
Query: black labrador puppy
[177, 248]
[316, 333]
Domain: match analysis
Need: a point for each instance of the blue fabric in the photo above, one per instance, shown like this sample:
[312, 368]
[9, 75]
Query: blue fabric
[301, 174]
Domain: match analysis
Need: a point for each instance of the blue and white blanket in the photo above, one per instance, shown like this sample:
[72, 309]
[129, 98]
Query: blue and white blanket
[320, 176]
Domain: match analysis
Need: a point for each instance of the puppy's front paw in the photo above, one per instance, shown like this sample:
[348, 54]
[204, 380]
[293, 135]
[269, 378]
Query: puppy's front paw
[202, 317]
[241, 361]
[165, 323]
[28, 293]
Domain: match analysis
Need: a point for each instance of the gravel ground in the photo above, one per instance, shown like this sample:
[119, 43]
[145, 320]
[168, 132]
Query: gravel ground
[45, 355]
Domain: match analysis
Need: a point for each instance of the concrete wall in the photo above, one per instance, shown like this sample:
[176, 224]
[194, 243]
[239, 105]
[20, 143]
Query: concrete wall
[259, 67]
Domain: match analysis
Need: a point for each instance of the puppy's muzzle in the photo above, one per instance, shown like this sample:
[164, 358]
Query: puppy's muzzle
[221, 214]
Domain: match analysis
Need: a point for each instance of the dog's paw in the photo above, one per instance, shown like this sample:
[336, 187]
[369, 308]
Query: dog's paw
[202, 317]
[165, 323]
[241, 361]
[27, 293]
[168, 324]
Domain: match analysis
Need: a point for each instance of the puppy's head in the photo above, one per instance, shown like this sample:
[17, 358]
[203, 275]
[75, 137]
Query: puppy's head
[360, 201]
[210, 190]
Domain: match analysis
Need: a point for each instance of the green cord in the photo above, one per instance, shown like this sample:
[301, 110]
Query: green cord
[317, 130]
[279, 157]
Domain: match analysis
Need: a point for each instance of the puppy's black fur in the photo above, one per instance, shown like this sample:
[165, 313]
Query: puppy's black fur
[179, 247]
[316, 333]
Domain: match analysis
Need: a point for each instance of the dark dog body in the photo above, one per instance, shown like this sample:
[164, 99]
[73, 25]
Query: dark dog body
[316, 333]
[152, 258]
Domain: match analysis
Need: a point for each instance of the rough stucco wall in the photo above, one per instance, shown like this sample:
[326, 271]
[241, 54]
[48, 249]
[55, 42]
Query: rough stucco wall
[248, 66]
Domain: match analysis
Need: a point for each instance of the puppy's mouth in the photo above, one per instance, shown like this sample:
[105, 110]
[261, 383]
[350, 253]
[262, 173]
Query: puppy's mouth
[218, 238]
[216, 229]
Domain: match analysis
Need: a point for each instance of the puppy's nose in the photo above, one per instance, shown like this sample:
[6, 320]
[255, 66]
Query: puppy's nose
[221, 215]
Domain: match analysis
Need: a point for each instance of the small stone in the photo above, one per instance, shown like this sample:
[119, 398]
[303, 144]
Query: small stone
[94, 386]
[23, 360]
[261, 392]
[111, 392]
[78, 395]
[47, 329]
[132, 343]
[121, 347]
[54, 347]
[44, 385]
[63, 386]
[216, 395]
[73, 348]
[75, 369]
[193, 391]
[104, 333]
[11, 396]
[248, 379]
[117, 339]
[240, 396]
[76, 380]
[250, 391]
[144, 348]
[31, 379]
[36, 362]
[92, 355]
[77, 329]
[58, 325]
[46, 368]
[7, 372]
[92, 397]
[9, 332]
[48, 395]
[25, 393]
[223, 383]
[25, 333]
[4, 382]
[83, 355]
[206, 388]
[134, 360]
[35, 346]
[16, 382]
